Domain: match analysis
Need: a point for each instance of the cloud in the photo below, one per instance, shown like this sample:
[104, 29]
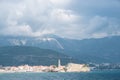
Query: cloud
[17, 30]
[65, 18]
[60, 2]
[108, 8]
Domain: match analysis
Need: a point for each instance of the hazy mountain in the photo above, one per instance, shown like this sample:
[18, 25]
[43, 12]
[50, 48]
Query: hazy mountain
[46, 41]
[19, 55]
[87, 50]
[98, 50]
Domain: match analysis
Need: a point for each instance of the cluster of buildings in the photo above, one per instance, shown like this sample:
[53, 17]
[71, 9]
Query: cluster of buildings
[102, 66]
[70, 67]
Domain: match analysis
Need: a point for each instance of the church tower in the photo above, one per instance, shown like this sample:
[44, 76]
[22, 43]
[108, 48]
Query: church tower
[59, 63]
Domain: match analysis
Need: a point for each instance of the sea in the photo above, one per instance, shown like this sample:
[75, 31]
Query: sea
[92, 75]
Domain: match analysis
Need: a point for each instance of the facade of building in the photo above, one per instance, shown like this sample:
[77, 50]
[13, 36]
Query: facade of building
[72, 67]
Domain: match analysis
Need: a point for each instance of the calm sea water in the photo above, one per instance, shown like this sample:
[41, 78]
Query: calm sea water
[94, 75]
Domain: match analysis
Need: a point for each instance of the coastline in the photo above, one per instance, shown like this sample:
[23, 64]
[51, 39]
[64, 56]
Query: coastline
[70, 67]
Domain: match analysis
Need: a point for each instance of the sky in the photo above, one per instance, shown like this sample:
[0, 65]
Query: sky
[74, 19]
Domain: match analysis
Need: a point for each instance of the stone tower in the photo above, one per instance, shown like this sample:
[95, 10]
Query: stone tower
[59, 63]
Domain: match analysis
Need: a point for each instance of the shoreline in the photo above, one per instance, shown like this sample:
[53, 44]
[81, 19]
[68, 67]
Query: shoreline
[70, 67]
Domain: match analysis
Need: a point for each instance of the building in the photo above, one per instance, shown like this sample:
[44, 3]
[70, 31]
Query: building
[72, 67]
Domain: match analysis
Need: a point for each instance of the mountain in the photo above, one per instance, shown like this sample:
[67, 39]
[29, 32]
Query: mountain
[87, 50]
[20, 55]
[46, 41]
[103, 50]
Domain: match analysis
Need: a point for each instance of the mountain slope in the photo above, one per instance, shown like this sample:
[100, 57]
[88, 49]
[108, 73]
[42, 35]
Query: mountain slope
[87, 50]
[96, 50]
[20, 55]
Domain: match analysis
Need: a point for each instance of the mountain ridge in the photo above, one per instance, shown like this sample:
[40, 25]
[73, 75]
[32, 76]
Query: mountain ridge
[87, 50]
[21, 55]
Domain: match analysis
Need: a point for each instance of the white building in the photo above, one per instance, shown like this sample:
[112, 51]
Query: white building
[72, 67]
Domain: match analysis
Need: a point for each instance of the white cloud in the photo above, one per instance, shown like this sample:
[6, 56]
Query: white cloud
[60, 3]
[17, 30]
[63, 16]
[66, 18]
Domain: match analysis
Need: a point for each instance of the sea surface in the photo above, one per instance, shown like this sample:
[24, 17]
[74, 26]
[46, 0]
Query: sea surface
[93, 75]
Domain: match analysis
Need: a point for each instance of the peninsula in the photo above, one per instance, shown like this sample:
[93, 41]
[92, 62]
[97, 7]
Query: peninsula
[70, 67]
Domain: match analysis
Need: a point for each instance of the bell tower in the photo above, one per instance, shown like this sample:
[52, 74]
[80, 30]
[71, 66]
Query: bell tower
[59, 63]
